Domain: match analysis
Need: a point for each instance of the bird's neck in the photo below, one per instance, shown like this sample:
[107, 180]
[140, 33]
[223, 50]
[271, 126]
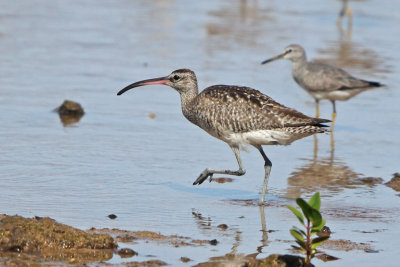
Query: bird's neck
[188, 98]
[298, 62]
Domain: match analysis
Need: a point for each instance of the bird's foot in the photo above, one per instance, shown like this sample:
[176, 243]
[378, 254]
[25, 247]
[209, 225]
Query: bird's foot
[203, 176]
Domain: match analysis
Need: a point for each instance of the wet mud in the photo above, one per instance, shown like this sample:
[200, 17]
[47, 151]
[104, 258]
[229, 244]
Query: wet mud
[45, 239]
[394, 183]
[34, 241]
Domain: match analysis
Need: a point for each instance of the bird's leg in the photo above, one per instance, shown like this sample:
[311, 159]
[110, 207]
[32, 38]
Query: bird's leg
[317, 104]
[267, 167]
[209, 172]
[333, 115]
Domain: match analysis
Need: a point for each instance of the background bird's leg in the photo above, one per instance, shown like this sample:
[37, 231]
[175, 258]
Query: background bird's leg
[209, 172]
[333, 115]
[267, 167]
[317, 104]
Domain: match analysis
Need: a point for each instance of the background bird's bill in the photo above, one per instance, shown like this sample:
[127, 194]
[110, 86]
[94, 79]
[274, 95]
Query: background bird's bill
[275, 58]
[161, 80]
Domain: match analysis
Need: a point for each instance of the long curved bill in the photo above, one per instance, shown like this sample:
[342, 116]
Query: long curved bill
[274, 58]
[161, 80]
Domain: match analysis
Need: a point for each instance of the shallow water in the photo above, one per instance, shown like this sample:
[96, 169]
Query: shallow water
[117, 159]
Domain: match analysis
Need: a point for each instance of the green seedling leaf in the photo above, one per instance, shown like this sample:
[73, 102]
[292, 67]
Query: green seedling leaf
[318, 241]
[302, 244]
[310, 213]
[301, 231]
[315, 201]
[297, 213]
[307, 209]
[296, 234]
[318, 228]
[297, 248]
[315, 218]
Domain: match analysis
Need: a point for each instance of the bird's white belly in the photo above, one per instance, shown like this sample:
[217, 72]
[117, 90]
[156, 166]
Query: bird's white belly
[259, 137]
[336, 94]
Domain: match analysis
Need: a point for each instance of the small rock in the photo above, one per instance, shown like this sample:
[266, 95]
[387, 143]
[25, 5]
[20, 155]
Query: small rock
[394, 183]
[127, 253]
[70, 112]
[325, 257]
[70, 108]
[185, 259]
[214, 242]
[112, 216]
[324, 232]
[223, 226]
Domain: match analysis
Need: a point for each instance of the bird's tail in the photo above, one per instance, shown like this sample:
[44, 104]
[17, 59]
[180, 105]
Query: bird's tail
[320, 122]
[373, 84]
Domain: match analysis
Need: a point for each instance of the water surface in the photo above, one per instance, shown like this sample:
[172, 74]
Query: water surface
[117, 159]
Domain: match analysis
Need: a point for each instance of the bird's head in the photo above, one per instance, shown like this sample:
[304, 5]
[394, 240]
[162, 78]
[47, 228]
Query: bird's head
[181, 80]
[292, 52]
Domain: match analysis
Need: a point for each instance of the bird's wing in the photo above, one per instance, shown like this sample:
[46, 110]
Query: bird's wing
[315, 76]
[243, 109]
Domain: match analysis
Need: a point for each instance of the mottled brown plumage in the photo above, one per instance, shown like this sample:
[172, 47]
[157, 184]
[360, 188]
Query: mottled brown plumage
[238, 116]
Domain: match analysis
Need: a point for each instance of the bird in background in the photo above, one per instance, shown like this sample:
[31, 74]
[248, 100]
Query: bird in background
[322, 81]
[239, 116]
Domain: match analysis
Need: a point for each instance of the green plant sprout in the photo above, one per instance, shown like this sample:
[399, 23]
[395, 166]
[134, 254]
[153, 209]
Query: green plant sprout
[312, 222]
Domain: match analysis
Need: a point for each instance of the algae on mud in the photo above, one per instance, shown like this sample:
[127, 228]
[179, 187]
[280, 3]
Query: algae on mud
[44, 238]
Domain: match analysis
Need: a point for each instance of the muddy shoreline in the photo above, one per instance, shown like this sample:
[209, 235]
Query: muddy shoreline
[36, 241]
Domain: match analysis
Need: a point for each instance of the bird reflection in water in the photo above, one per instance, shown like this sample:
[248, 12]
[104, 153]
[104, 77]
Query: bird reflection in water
[330, 174]
[345, 11]
[205, 225]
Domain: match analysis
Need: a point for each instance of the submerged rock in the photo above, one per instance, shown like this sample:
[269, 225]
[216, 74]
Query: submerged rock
[44, 238]
[127, 253]
[324, 232]
[70, 112]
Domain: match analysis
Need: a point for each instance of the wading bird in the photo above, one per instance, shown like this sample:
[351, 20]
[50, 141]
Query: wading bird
[322, 81]
[239, 116]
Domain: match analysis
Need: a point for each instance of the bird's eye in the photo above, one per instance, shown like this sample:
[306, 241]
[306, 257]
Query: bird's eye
[176, 77]
[289, 51]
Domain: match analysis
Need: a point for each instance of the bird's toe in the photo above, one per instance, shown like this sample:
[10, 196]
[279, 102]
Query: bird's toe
[203, 176]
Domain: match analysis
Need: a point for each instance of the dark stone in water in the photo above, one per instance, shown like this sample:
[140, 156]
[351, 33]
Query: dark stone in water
[223, 226]
[324, 232]
[70, 108]
[112, 216]
[185, 259]
[127, 253]
[214, 242]
[325, 257]
[70, 112]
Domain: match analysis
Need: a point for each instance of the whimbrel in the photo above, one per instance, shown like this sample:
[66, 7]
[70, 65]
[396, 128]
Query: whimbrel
[322, 81]
[238, 116]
